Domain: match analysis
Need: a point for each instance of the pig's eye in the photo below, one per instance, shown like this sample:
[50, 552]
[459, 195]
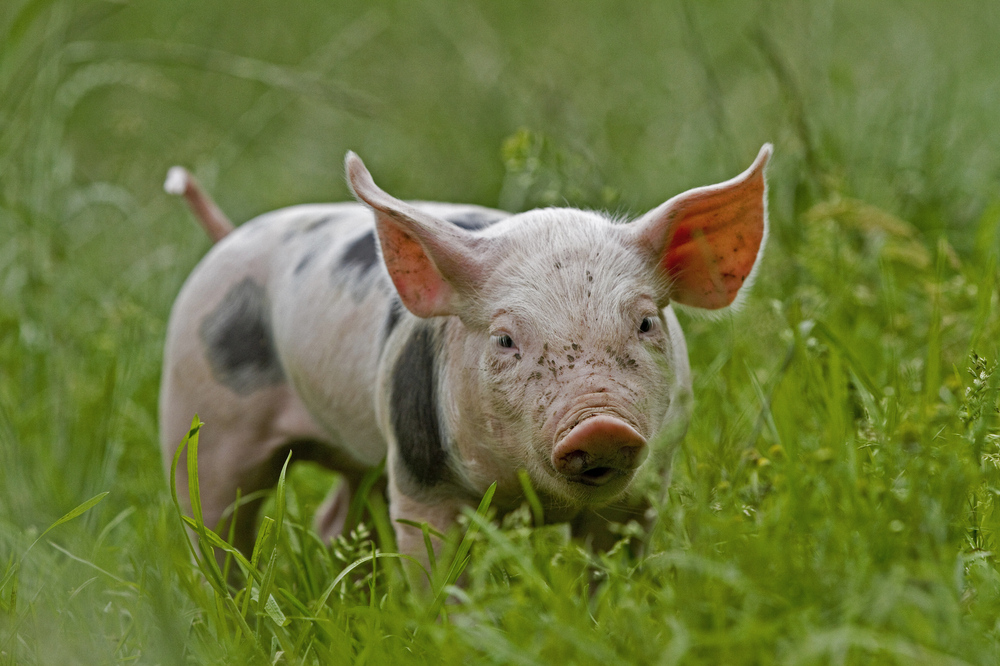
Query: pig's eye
[503, 340]
[646, 325]
[504, 343]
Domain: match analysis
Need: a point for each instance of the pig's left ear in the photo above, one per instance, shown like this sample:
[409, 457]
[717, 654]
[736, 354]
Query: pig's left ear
[433, 264]
[707, 240]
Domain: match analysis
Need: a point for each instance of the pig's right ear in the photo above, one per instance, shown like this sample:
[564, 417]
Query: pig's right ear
[705, 242]
[432, 263]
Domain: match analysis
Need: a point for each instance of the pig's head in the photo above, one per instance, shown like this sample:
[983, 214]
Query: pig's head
[563, 360]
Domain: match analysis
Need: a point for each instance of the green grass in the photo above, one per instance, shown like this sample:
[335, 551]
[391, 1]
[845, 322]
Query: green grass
[835, 500]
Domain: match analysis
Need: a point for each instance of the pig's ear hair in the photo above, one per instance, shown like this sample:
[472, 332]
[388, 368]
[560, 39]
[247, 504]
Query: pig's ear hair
[432, 263]
[707, 241]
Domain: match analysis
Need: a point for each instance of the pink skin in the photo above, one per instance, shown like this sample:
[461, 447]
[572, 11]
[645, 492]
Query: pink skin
[559, 360]
[558, 352]
[599, 449]
[563, 368]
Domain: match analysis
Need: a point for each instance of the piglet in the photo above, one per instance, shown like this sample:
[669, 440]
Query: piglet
[459, 344]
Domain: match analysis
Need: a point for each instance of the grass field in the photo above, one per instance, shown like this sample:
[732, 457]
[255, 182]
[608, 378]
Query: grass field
[835, 500]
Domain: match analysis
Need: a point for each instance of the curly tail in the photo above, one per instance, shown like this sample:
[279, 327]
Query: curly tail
[181, 182]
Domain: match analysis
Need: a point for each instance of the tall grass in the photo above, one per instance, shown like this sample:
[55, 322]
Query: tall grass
[835, 498]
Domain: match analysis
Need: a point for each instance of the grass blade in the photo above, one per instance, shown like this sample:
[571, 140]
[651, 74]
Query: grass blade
[461, 558]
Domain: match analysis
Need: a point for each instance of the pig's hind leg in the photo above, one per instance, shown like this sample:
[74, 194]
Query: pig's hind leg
[330, 520]
[242, 448]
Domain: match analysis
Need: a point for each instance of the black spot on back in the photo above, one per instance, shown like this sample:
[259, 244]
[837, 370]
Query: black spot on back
[415, 416]
[395, 311]
[304, 261]
[361, 253]
[473, 220]
[238, 340]
[319, 223]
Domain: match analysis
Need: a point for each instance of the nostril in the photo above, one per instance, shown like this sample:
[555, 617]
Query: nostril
[573, 463]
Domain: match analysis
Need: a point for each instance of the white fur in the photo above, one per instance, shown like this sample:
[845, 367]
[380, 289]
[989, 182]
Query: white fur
[177, 181]
[569, 287]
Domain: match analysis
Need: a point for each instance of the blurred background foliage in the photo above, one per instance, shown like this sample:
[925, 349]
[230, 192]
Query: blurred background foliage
[834, 499]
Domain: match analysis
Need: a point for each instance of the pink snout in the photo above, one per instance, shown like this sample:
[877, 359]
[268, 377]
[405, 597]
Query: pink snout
[599, 449]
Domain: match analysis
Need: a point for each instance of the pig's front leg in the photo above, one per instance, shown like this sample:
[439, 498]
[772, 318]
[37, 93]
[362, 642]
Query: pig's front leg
[440, 514]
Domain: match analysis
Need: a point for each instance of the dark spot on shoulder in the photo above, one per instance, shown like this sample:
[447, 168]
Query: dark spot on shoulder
[361, 253]
[415, 409]
[238, 340]
[473, 220]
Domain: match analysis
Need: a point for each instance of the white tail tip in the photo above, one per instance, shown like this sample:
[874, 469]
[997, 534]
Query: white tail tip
[177, 181]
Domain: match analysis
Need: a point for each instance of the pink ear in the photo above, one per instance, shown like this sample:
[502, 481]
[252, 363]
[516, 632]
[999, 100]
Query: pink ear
[707, 240]
[430, 261]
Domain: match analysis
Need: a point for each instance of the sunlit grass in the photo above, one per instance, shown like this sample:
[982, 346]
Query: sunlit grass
[835, 498]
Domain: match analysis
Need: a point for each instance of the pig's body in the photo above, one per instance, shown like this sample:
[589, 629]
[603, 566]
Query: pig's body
[545, 342]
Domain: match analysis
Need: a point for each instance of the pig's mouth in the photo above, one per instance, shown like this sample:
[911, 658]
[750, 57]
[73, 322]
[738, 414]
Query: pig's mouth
[597, 476]
[598, 473]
